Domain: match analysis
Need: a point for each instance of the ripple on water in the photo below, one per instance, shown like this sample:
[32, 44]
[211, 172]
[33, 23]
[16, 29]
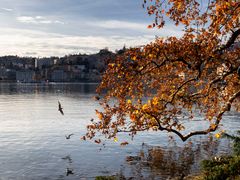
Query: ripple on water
[33, 144]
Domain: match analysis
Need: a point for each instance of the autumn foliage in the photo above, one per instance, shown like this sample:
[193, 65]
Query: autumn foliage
[157, 86]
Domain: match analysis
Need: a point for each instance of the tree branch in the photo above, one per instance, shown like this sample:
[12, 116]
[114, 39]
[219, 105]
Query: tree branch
[211, 83]
[225, 108]
[230, 41]
[178, 89]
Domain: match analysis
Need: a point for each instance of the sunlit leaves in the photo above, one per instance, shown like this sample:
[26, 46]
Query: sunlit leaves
[159, 85]
[99, 114]
[217, 135]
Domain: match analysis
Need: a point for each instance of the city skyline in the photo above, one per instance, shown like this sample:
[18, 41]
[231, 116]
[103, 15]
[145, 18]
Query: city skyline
[60, 27]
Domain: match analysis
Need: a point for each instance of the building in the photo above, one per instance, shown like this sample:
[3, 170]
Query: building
[27, 76]
[44, 63]
[3, 74]
[59, 76]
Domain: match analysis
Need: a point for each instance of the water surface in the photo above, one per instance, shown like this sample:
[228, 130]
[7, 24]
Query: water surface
[33, 144]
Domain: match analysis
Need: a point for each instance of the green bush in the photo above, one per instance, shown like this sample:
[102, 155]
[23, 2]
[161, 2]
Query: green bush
[221, 168]
[105, 178]
[224, 167]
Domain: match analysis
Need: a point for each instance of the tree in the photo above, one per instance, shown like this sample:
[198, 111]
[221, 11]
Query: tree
[159, 84]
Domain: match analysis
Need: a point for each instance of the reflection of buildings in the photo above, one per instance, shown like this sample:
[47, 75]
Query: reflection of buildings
[26, 76]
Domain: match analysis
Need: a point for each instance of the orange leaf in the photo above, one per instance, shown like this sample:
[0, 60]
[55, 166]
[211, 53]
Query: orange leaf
[149, 26]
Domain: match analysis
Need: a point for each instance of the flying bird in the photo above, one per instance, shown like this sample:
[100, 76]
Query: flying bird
[68, 136]
[60, 109]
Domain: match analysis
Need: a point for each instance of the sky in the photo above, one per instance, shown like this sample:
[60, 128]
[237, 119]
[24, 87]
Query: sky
[43, 28]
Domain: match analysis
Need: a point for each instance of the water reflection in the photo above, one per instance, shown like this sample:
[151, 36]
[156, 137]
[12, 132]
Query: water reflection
[68, 158]
[62, 88]
[69, 161]
[172, 162]
[33, 143]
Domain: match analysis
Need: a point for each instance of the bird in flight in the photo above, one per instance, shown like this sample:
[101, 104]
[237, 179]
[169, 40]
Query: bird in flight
[68, 136]
[60, 108]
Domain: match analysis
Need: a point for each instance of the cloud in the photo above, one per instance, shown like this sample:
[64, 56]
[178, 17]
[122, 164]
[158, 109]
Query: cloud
[58, 22]
[31, 53]
[28, 42]
[116, 24]
[136, 28]
[7, 9]
[37, 20]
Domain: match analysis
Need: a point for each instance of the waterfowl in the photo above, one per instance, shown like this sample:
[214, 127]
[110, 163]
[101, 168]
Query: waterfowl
[69, 171]
[60, 109]
[68, 136]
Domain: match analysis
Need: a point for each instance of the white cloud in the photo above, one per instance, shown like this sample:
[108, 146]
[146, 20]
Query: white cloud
[25, 42]
[116, 24]
[112, 34]
[26, 19]
[37, 20]
[58, 22]
[169, 30]
[39, 17]
[7, 9]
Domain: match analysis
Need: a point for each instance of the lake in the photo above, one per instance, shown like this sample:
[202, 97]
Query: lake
[33, 143]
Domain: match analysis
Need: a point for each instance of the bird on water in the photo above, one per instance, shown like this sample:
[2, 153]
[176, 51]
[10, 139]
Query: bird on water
[69, 171]
[60, 109]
